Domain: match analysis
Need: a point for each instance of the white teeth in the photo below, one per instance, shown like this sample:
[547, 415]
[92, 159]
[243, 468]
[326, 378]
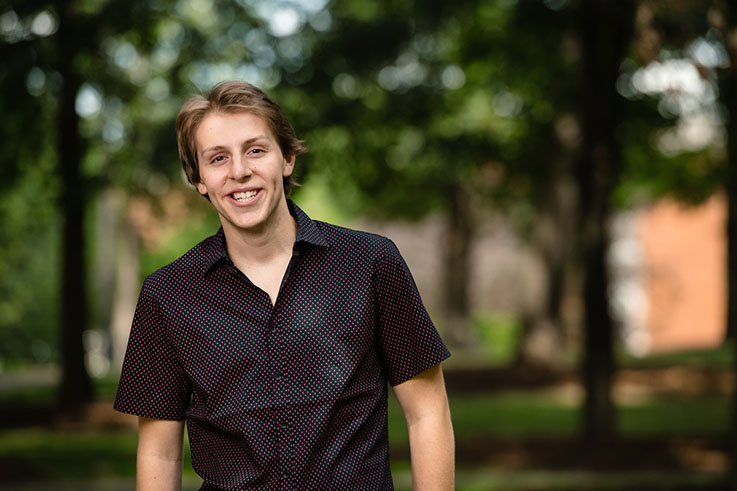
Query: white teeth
[244, 196]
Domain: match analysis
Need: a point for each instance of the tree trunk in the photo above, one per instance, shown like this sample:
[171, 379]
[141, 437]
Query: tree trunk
[127, 284]
[457, 247]
[606, 29]
[728, 95]
[543, 333]
[599, 416]
[76, 386]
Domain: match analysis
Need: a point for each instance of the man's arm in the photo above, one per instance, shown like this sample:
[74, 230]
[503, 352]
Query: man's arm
[425, 406]
[159, 461]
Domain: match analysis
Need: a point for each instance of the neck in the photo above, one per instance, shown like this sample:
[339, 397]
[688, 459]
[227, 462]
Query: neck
[259, 246]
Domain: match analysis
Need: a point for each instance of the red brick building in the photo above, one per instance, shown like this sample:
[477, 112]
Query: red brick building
[671, 267]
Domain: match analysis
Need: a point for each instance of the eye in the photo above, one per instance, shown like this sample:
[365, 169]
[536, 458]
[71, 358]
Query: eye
[217, 158]
[256, 151]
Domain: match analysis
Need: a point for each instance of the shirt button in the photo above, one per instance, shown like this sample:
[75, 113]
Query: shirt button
[283, 426]
[278, 376]
[286, 475]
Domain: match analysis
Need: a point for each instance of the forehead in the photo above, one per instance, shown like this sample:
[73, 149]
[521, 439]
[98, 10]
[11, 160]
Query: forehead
[220, 128]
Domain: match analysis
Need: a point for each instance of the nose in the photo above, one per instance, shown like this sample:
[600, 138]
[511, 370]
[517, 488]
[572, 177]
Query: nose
[239, 168]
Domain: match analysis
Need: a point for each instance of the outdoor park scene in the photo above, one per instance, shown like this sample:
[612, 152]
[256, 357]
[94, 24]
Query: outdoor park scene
[559, 175]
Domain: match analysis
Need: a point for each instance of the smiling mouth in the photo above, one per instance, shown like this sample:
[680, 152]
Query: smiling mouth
[244, 196]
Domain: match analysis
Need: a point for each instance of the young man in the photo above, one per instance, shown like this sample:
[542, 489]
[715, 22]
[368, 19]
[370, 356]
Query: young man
[276, 338]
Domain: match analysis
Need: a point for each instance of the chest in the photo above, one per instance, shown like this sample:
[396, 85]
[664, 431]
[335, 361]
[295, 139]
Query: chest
[316, 333]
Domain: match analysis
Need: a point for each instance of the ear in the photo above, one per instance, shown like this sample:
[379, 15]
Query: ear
[288, 165]
[201, 188]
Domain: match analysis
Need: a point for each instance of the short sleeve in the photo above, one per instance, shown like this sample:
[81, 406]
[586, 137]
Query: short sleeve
[153, 383]
[408, 340]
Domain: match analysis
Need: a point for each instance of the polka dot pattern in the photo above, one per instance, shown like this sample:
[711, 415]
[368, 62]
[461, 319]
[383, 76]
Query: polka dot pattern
[291, 396]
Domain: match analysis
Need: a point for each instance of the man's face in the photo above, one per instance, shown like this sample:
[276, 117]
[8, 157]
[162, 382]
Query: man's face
[241, 170]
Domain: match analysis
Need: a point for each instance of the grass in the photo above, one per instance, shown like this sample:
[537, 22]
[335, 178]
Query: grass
[721, 357]
[47, 454]
[41, 390]
[679, 416]
[498, 414]
[581, 480]
[44, 454]
[541, 414]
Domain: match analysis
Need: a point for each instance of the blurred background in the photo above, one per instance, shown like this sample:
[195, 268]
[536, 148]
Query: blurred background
[560, 175]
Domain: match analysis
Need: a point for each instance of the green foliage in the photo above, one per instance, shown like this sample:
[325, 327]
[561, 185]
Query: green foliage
[138, 65]
[648, 174]
[399, 102]
[177, 237]
[395, 142]
[500, 336]
[28, 270]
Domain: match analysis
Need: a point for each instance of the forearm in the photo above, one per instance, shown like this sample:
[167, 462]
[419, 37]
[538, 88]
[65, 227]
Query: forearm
[157, 473]
[160, 454]
[432, 451]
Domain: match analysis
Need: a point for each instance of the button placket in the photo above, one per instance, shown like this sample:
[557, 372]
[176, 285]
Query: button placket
[280, 395]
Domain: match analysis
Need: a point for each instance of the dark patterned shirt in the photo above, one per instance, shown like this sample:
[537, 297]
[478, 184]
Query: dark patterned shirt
[289, 396]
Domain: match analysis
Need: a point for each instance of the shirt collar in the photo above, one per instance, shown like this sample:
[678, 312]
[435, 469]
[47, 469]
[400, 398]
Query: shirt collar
[307, 232]
[307, 229]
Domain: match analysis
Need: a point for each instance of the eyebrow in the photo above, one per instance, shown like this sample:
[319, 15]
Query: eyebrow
[250, 141]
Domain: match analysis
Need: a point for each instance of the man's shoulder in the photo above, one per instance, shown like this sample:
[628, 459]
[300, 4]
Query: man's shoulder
[352, 240]
[188, 267]
[340, 236]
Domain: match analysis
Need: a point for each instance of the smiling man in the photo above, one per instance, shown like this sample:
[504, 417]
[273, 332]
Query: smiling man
[275, 340]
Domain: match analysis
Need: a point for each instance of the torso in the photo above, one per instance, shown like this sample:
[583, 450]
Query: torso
[311, 370]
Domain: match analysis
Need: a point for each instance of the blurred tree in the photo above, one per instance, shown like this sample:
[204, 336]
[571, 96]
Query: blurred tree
[724, 18]
[55, 60]
[26, 31]
[437, 115]
[93, 87]
[76, 386]
[614, 135]
[654, 152]
[449, 108]
[400, 140]
[604, 46]
[549, 87]
[673, 136]
[28, 231]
